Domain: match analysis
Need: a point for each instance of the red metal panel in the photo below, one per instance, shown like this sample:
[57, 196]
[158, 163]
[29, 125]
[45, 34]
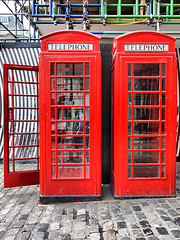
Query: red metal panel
[70, 117]
[21, 153]
[145, 107]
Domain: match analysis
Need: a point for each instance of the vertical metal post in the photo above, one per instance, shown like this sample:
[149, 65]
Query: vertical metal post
[171, 8]
[158, 13]
[15, 6]
[29, 15]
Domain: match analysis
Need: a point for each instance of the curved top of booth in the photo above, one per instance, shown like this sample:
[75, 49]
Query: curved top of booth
[144, 41]
[70, 40]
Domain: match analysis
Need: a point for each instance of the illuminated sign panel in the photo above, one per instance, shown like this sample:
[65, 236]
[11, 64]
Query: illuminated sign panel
[70, 46]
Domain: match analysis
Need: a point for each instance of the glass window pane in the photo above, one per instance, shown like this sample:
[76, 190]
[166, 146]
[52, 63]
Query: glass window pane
[163, 156]
[70, 156]
[163, 142]
[129, 69]
[52, 113]
[129, 84]
[70, 114]
[129, 128]
[146, 171]
[146, 142]
[74, 142]
[53, 143]
[87, 113]
[87, 171]
[52, 98]
[87, 142]
[129, 113]
[87, 156]
[52, 84]
[163, 113]
[66, 99]
[87, 69]
[163, 128]
[87, 98]
[53, 157]
[141, 99]
[52, 69]
[53, 172]
[87, 83]
[146, 157]
[146, 70]
[146, 114]
[163, 171]
[129, 157]
[146, 84]
[129, 172]
[163, 69]
[87, 127]
[67, 69]
[146, 128]
[70, 84]
[70, 172]
[163, 84]
[163, 99]
[65, 128]
[129, 143]
[129, 99]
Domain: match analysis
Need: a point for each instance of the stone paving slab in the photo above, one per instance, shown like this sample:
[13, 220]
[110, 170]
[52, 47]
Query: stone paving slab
[22, 217]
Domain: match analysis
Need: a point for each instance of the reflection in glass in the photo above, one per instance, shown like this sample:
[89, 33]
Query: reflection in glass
[146, 157]
[129, 172]
[163, 127]
[129, 157]
[71, 156]
[87, 69]
[129, 143]
[75, 142]
[70, 114]
[69, 84]
[129, 69]
[146, 171]
[163, 98]
[52, 113]
[163, 113]
[67, 69]
[52, 69]
[163, 156]
[146, 114]
[129, 84]
[70, 172]
[52, 98]
[53, 157]
[87, 83]
[53, 172]
[129, 128]
[129, 113]
[146, 84]
[65, 128]
[52, 84]
[87, 127]
[87, 113]
[129, 99]
[87, 171]
[53, 143]
[146, 128]
[146, 69]
[163, 171]
[163, 139]
[163, 69]
[87, 142]
[141, 99]
[87, 99]
[146, 142]
[66, 99]
[163, 84]
[87, 156]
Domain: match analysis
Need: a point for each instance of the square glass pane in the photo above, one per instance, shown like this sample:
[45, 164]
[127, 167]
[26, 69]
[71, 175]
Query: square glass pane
[87, 69]
[129, 99]
[70, 172]
[163, 171]
[87, 157]
[87, 113]
[52, 69]
[129, 69]
[87, 142]
[146, 69]
[74, 142]
[146, 157]
[87, 99]
[53, 157]
[163, 69]
[129, 172]
[52, 113]
[146, 172]
[129, 143]
[163, 99]
[163, 130]
[87, 83]
[163, 113]
[147, 99]
[52, 84]
[129, 157]
[129, 114]
[70, 114]
[163, 142]
[163, 156]
[163, 84]
[146, 113]
[67, 69]
[87, 171]
[53, 172]
[53, 127]
[129, 84]
[129, 128]
[66, 99]
[70, 84]
[52, 98]
[146, 84]
[146, 142]
[87, 127]
[53, 143]
[71, 156]
[65, 128]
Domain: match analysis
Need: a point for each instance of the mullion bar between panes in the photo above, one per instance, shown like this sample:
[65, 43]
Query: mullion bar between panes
[132, 118]
[55, 79]
[84, 117]
[13, 118]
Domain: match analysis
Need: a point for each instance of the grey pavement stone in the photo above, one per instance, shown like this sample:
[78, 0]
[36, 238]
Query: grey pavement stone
[25, 235]
[148, 232]
[54, 226]
[2, 233]
[137, 233]
[172, 212]
[171, 225]
[162, 231]
[123, 232]
[29, 227]
[109, 235]
[95, 236]
[140, 215]
[166, 218]
[38, 236]
[145, 224]
[19, 224]
[176, 233]
[53, 235]
[43, 227]
[107, 226]
[13, 231]
[121, 225]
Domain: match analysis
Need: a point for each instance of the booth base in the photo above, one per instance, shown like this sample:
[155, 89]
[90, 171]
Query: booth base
[139, 196]
[64, 199]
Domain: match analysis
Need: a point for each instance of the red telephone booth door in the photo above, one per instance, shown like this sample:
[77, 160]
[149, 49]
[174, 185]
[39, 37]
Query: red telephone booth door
[70, 122]
[20, 132]
[145, 116]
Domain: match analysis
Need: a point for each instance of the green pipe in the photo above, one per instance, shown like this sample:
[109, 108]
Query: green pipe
[171, 7]
[154, 8]
[167, 12]
[137, 7]
[133, 16]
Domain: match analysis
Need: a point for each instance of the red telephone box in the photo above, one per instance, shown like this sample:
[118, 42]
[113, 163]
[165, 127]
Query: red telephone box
[144, 95]
[70, 116]
[66, 101]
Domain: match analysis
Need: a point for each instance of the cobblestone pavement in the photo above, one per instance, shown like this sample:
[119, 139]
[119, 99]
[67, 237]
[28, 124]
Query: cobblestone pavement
[22, 217]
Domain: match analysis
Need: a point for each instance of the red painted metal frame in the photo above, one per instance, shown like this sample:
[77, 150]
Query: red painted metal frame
[23, 177]
[151, 186]
[68, 187]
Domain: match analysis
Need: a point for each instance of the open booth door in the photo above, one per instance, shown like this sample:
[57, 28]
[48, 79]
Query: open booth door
[21, 120]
